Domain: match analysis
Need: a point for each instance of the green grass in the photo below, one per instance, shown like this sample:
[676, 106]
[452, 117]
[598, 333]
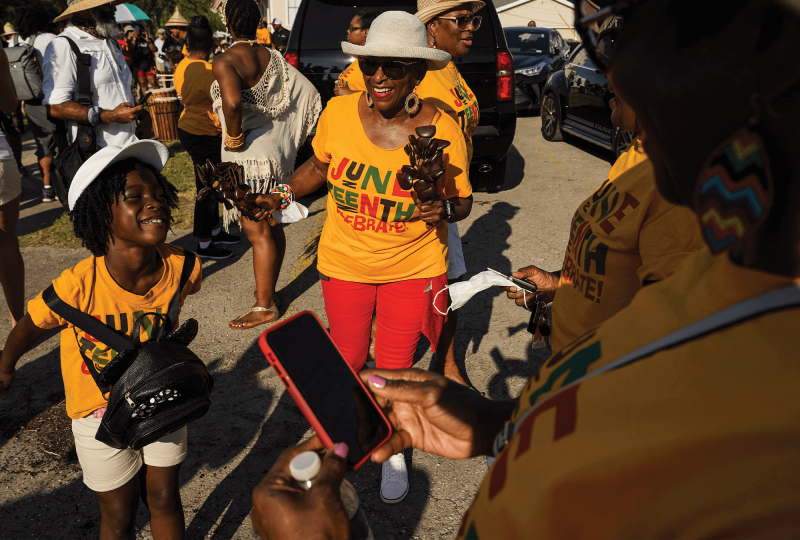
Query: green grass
[180, 173]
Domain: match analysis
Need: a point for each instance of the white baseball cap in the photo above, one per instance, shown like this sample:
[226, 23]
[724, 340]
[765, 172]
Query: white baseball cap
[276, 21]
[151, 152]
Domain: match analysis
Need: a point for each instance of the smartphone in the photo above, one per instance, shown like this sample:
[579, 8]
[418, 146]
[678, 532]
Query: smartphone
[144, 99]
[521, 283]
[329, 393]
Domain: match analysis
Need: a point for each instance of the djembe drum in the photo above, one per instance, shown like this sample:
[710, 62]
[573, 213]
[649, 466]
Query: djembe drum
[163, 106]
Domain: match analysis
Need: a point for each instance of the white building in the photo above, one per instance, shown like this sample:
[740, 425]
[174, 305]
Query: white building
[285, 10]
[558, 14]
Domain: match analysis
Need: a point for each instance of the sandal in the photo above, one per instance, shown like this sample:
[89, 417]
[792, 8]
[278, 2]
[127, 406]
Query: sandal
[256, 309]
[453, 370]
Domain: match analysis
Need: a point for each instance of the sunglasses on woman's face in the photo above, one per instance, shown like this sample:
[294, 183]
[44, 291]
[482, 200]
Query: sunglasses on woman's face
[463, 21]
[393, 69]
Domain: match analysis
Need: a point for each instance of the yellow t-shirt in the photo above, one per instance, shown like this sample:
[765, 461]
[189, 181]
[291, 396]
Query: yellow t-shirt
[371, 234]
[699, 440]
[442, 87]
[90, 288]
[352, 78]
[193, 79]
[622, 236]
[263, 37]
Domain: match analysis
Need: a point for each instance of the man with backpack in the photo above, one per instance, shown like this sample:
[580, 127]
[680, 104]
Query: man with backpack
[110, 111]
[30, 49]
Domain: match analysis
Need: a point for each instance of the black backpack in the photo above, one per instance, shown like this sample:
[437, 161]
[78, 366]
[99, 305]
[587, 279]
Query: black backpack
[25, 74]
[156, 387]
[70, 159]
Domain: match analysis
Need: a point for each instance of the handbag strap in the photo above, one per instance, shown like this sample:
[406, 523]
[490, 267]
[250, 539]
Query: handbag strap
[83, 62]
[159, 329]
[104, 333]
[786, 297]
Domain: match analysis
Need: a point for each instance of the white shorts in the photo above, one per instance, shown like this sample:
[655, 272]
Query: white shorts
[455, 264]
[106, 468]
[10, 182]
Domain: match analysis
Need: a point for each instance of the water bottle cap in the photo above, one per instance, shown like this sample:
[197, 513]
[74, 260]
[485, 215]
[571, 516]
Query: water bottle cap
[305, 466]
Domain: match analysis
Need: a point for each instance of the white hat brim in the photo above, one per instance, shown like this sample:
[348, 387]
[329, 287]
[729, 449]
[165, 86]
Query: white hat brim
[151, 152]
[393, 51]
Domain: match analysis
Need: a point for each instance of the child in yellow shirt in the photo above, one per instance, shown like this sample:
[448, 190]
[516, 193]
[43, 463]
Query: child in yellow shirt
[121, 209]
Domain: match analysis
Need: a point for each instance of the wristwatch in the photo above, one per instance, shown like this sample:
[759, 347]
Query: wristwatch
[449, 211]
[93, 116]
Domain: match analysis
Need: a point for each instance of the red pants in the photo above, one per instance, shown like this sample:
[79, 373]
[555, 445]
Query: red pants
[400, 307]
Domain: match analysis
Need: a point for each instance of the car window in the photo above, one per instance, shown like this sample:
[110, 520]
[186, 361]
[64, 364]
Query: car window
[326, 21]
[526, 42]
[581, 58]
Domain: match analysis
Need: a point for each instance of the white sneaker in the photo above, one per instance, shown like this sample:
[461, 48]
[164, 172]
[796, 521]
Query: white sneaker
[394, 481]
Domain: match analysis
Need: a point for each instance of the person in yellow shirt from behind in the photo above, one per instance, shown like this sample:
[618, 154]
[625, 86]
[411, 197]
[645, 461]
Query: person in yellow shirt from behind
[622, 237]
[200, 134]
[262, 34]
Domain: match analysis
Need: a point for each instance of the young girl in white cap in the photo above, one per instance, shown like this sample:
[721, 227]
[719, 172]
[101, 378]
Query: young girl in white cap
[121, 209]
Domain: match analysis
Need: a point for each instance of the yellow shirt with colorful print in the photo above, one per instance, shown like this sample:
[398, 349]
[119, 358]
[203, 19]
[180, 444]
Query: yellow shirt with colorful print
[89, 288]
[373, 233]
[699, 440]
[623, 236]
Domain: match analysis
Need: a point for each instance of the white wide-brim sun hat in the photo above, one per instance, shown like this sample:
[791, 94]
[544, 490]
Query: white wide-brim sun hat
[397, 34]
[151, 152]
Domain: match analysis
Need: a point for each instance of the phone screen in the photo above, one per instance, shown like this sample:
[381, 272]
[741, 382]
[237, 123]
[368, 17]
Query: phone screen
[322, 376]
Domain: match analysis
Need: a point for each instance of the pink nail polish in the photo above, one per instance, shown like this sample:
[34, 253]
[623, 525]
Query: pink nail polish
[341, 450]
[376, 381]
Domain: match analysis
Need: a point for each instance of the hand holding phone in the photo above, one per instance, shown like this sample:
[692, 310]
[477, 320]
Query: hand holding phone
[329, 393]
[520, 283]
[143, 99]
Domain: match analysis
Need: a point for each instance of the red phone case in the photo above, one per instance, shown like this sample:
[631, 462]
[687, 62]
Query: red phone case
[298, 397]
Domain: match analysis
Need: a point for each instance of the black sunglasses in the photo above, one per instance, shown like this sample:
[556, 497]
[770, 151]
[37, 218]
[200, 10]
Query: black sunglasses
[463, 21]
[599, 27]
[393, 69]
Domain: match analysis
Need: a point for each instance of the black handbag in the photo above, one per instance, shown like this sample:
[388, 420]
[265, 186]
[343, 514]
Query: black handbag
[155, 387]
[70, 159]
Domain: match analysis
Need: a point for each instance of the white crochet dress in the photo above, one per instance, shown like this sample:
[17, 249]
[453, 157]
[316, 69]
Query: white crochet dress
[278, 114]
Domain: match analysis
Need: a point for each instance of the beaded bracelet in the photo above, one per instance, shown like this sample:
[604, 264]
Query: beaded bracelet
[234, 142]
[286, 193]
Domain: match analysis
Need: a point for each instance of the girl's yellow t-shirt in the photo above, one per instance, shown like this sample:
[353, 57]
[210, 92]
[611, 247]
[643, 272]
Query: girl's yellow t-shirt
[442, 87]
[193, 80]
[90, 288]
[372, 233]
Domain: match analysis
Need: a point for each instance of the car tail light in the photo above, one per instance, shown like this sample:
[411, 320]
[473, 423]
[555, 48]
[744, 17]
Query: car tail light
[505, 76]
[293, 59]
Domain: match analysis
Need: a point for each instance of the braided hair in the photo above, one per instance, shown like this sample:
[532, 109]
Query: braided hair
[92, 214]
[243, 17]
[199, 37]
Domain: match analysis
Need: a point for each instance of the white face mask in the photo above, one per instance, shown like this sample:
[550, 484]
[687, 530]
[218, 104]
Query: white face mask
[291, 214]
[461, 292]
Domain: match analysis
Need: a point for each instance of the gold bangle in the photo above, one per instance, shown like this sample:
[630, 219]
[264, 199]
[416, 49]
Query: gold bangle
[234, 142]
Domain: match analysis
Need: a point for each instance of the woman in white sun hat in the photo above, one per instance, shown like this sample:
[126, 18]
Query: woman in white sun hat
[450, 25]
[381, 249]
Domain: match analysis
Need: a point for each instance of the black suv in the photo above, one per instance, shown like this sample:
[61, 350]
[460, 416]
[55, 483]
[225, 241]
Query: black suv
[315, 49]
[537, 52]
[575, 102]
